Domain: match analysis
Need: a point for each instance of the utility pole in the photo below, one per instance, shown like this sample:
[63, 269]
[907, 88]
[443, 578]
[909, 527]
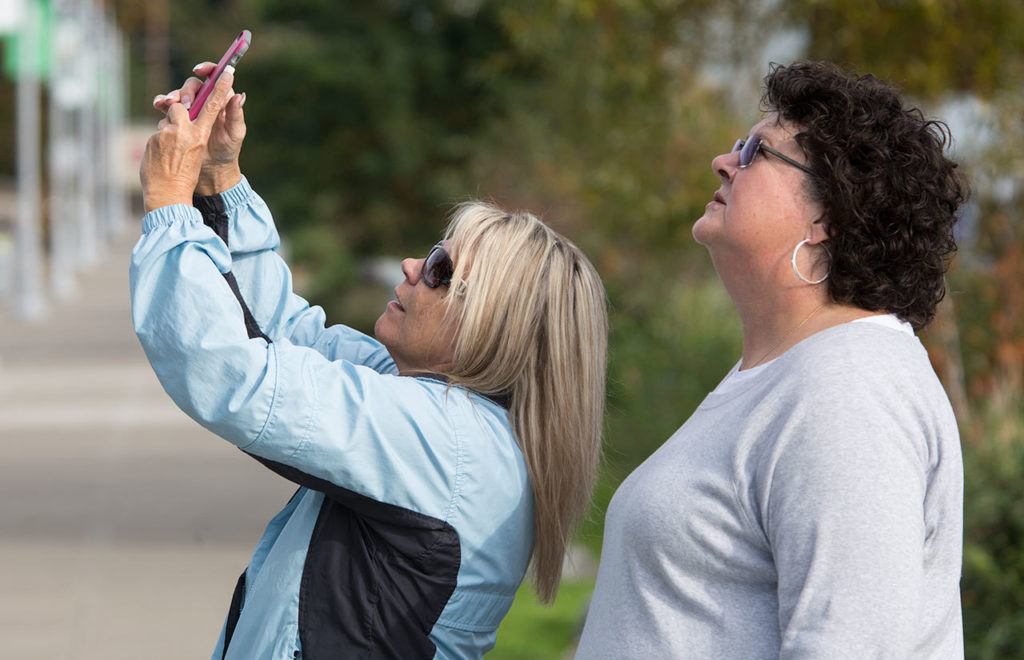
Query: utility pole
[28, 272]
[65, 94]
[88, 244]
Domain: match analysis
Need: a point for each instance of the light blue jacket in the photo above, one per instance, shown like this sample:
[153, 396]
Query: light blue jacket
[412, 526]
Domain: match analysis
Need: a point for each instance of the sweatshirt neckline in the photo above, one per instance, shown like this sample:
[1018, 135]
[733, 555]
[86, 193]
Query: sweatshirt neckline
[756, 375]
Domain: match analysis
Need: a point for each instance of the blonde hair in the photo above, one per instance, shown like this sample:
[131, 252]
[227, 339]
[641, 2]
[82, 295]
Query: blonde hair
[533, 324]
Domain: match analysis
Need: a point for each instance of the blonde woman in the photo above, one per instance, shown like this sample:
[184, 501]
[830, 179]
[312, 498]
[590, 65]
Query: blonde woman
[433, 463]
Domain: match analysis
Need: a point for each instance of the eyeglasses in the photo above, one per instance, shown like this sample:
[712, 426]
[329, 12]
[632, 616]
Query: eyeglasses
[749, 149]
[437, 267]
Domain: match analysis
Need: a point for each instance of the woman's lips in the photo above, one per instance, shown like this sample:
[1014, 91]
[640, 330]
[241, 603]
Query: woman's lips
[397, 302]
[719, 198]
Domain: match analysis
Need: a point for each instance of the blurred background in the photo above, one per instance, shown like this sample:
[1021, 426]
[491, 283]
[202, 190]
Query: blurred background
[124, 524]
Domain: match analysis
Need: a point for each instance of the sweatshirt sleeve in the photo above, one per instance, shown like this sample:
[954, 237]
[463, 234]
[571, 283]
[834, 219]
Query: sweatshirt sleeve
[242, 219]
[844, 520]
[329, 425]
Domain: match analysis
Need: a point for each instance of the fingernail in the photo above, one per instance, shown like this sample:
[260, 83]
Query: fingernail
[229, 70]
[242, 102]
[158, 98]
[197, 67]
[186, 101]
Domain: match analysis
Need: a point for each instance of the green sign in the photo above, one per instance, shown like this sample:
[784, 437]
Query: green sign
[37, 27]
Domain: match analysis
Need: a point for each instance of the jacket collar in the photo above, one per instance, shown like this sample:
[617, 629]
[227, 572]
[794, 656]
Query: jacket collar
[503, 400]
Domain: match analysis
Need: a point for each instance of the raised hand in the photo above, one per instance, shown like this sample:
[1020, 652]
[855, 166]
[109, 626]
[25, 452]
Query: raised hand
[220, 168]
[176, 153]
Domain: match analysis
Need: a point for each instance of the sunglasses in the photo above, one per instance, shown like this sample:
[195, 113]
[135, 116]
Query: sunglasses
[749, 148]
[437, 268]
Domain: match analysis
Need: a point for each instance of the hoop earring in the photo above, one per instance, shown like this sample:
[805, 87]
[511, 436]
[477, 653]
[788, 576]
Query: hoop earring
[796, 269]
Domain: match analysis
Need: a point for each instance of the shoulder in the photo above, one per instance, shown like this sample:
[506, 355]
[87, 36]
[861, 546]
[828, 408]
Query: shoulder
[865, 366]
[859, 394]
[493, 482]
[485, 430]
[482, 429]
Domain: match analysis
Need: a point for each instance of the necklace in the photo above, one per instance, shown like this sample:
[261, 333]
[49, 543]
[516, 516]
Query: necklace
[786, 336]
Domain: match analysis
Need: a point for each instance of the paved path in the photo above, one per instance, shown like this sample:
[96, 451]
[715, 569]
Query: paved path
[123, 524]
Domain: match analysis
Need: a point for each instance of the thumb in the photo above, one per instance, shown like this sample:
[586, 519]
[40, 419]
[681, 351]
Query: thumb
[217, 100]
[233, 114]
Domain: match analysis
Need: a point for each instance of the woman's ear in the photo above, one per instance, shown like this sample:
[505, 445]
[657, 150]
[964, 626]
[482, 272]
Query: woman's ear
[817, 232]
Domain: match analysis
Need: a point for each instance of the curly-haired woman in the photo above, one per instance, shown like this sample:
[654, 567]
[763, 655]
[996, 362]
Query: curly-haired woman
[433, 462]
[812, 505]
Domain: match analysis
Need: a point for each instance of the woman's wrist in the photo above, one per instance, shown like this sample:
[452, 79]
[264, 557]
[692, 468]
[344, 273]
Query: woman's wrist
[166, 196]
[152, 203]
[218, 178]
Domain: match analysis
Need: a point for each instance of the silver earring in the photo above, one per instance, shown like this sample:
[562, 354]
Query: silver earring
[796, 269]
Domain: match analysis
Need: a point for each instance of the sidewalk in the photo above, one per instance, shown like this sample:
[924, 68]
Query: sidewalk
[123, 524]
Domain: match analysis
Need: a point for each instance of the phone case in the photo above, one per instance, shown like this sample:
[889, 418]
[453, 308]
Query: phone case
[233, 54]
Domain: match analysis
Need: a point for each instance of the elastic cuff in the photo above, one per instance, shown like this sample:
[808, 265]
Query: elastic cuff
[169, 215]
[226, 201]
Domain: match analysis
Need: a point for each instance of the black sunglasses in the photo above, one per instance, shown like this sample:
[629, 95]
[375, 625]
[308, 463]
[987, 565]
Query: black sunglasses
[749, 149]
[437, 267]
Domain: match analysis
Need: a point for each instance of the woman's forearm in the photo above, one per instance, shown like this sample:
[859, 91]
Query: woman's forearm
[265, 281]
[191, 328]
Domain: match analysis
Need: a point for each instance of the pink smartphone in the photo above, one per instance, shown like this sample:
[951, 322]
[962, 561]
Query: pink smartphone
[233, 54]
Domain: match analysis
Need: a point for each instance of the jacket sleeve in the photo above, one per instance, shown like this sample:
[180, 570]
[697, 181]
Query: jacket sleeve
[334, 423]
[242, 219]
[844, 519]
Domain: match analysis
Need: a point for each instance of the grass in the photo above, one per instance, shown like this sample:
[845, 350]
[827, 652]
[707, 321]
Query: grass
[532, 631]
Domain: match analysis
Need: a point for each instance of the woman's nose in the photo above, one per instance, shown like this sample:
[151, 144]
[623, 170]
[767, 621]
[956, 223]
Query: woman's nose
[412, 268]
[725, 165]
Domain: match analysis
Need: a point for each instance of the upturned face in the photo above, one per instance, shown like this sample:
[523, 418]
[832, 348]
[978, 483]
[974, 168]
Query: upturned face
[413, 326]
[759, 212]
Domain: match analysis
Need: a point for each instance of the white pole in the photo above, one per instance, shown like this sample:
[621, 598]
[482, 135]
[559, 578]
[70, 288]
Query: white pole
[124, 93]
[96, 111]
[119, 88]
[99, 34]
[28, 282]
[61, 158]
[110, 87]
[88, 248]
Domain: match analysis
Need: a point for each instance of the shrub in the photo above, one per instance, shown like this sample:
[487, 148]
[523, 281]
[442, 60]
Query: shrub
[993, 578]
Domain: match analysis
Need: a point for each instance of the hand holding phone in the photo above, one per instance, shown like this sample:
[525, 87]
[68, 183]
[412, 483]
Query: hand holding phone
[231, 57]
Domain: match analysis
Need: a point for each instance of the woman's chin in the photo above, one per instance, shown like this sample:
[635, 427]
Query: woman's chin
[380, 327]
[702, 230]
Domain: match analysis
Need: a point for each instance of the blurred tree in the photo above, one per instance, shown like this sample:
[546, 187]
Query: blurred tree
[993, 578]
[932, 47]
[367, 113]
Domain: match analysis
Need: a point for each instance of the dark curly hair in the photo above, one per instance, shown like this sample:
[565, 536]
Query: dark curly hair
[888, 192]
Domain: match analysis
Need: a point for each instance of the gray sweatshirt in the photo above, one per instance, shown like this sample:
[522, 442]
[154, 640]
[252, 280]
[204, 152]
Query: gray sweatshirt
[813, 509]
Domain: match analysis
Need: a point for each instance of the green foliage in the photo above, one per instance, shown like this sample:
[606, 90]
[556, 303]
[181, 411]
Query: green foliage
[993, 580]
[532, 631]
[613, 123]
[367, 114]
[931, 47]
[666, 359]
